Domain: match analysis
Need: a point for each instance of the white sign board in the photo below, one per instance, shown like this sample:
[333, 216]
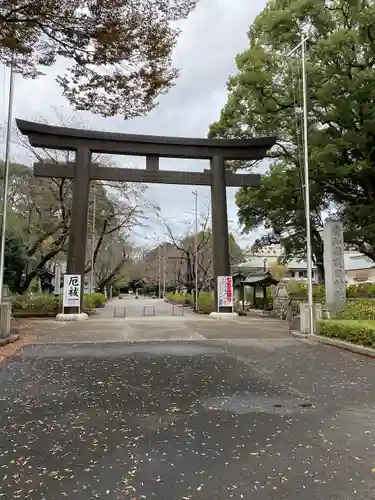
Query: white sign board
[72, 290]
[224, 291]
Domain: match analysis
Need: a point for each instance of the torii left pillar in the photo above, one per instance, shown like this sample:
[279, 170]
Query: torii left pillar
[220, 236]
[78, 229]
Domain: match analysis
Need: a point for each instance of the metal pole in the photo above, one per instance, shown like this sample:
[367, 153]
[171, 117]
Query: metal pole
[195, 193]
[159, 277]
[93, 242]
[164, 269]
[307, 190]
[6, 176]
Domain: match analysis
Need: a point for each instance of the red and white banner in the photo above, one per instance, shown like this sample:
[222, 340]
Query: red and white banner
[224, 291]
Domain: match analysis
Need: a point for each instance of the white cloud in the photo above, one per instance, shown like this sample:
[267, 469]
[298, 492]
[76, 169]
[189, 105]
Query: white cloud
[211, 37]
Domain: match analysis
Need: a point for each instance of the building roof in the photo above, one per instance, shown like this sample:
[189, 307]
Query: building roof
[357, 261]
[258, 262]
[352, 261]
[260, 279]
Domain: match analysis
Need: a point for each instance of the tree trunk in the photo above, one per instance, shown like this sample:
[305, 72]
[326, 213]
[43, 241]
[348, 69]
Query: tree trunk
[108, 279]
[23, 287]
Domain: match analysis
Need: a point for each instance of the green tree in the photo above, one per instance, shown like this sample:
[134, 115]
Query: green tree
[118, 53]
[278, 207]
[15, 260]
[264, 98]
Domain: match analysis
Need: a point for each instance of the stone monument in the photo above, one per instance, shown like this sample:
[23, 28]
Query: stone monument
[280, 300]
[334, 267]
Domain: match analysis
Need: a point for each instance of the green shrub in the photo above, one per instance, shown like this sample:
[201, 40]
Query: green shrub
[205, 301]
[362, 290]
[99, 299]
[298, 289]
[35, 303]
[93, 300]
[358, 309]
[40, 304]
[355, 331]
[88, 302]
[179, 298]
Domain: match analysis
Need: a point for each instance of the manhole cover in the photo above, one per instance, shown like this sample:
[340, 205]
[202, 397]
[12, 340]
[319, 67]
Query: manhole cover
[248, 403]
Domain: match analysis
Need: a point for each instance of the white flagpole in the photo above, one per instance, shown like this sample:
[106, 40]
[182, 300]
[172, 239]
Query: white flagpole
[6, 177]
[302, 44]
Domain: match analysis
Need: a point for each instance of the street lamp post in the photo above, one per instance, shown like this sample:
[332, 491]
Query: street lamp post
[93, 242]
[195, 193]
[6, 177]
[159, 274]
[164, 270]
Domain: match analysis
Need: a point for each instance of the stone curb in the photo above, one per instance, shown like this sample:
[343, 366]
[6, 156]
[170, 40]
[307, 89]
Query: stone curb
[298, 334]
[9, 340]
[13, 337]
[340, 344]
[347, 346]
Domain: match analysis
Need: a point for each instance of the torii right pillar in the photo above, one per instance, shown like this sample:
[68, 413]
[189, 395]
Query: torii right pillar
[220, 237]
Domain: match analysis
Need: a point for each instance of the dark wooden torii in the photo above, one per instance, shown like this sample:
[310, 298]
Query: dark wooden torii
[86, 142]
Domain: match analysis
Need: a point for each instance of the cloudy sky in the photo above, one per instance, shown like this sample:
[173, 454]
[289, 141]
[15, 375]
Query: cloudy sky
[212, 36]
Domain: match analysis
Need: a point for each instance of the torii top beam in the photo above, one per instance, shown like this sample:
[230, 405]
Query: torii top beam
[52, 137]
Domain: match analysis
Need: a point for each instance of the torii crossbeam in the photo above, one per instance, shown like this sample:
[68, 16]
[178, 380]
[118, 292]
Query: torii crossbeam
[83, 171]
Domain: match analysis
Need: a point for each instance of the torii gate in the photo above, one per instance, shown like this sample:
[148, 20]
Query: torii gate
[86, 142]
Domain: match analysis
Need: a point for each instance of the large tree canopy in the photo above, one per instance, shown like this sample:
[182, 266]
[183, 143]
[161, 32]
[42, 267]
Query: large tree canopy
[265, 98]
[118, 51]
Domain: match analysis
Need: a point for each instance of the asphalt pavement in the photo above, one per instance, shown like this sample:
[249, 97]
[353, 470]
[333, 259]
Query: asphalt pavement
[261, 418]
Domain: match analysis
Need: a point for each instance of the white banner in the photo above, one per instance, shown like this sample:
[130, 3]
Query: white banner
[72, 290]
[224, 291]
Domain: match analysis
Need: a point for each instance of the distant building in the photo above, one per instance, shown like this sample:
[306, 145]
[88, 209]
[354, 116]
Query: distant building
[295, 270]
[358, 267]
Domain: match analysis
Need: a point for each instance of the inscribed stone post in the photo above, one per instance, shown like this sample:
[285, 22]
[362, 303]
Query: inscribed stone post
[334, 268]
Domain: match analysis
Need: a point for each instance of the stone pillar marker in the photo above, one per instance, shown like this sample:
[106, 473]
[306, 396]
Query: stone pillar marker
[334, 266]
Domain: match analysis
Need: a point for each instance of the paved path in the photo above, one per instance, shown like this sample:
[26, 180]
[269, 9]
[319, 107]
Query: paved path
[137, 308]
[243, 411]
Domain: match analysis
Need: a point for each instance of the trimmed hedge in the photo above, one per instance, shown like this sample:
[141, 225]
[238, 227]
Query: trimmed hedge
[298, 289]
[354, 309]
[358, 310]
[355, 331]
[206, 303]
[43, 305]
[362, 290]
[37, 304]
[179, 298]
[98, 299]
